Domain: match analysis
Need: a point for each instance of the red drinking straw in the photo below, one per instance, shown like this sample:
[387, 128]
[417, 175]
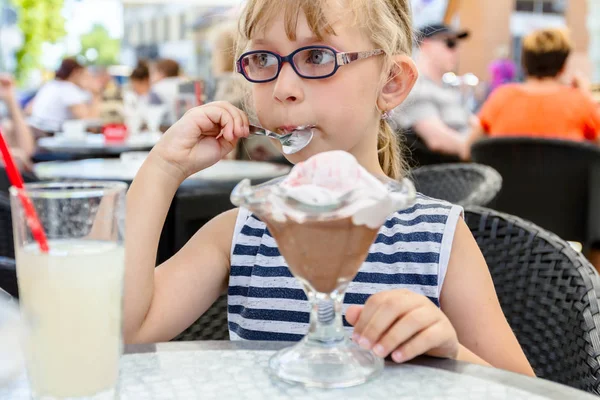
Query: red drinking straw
[198, 93]
[17, 181]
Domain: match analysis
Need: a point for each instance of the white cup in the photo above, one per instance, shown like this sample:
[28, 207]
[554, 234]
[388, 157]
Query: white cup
[154, 115]
[134, 124]
[74, 129]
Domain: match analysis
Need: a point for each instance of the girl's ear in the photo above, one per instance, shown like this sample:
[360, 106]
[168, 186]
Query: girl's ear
[400, 82]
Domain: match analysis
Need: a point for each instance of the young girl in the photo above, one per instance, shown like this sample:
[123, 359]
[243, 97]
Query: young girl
[429, 290]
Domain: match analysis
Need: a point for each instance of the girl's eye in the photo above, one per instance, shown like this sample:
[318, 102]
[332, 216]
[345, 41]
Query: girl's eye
[319, 56]
[263, 60]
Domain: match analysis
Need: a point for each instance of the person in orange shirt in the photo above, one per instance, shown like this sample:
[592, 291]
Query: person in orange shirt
[543, 106]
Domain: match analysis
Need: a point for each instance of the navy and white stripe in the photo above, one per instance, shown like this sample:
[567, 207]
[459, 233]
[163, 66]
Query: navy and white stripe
[265, 302]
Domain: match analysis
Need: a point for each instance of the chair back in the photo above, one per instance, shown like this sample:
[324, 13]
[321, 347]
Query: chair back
[8, 276]
[462, 184]
[553, 183]
[418, 154]
[549, 294]
[7, 248]
[195, 205]
[5, 184]
[212, 325]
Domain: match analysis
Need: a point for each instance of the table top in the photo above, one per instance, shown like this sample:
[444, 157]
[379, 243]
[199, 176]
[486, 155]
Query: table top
[238, 370]
[125, 169]
[95, 144]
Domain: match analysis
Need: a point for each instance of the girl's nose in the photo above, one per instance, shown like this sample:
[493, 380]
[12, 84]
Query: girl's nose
[288, 87]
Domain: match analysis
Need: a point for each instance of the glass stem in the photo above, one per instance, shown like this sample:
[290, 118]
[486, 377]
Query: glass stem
[326, 325]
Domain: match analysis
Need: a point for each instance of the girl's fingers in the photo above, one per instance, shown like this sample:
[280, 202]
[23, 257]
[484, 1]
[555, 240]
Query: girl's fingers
[219, 119]
[383, 319]
[227, 132]
[353, 313]
[237, 115]
[408, 326]
[398, 302]
[429, 338]
[226, 146]
[246, 124]
[212, 120]
[368, 311]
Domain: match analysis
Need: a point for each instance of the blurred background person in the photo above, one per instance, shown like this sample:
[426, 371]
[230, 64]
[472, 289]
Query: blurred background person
[433, 111]
[544, 105]
[139, 92]
[137, 98]
[73, 94]
[502, 70]
[14, 127]
[165, 78]
[140, 81]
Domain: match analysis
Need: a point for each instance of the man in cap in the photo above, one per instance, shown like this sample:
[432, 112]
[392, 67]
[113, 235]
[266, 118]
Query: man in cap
[433, 111]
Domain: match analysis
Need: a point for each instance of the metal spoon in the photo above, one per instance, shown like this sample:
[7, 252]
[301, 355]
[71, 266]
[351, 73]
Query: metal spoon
[292, 142]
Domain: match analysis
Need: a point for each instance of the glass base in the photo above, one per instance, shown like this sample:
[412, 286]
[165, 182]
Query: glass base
[338, 365]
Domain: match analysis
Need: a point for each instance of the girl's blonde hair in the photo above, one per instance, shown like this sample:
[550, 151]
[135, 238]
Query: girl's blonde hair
[223, 60]
[388, 24]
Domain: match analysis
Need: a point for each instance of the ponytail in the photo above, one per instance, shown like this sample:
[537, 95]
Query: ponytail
[389, 151]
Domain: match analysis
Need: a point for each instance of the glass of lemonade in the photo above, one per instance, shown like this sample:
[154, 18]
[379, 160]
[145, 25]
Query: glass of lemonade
[71, 297]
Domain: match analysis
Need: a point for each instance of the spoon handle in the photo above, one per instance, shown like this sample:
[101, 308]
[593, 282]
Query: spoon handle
[258, 131]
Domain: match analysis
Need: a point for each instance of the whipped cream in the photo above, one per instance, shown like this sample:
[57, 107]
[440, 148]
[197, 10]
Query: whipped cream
[336, 179]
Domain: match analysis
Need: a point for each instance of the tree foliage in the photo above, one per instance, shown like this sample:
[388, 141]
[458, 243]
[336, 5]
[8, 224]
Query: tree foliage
[40, 21]
[107, 49]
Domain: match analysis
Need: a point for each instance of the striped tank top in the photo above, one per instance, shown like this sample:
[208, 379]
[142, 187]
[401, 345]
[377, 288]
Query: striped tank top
[265, 301]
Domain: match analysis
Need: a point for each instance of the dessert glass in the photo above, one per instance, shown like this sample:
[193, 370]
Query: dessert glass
[324, 246]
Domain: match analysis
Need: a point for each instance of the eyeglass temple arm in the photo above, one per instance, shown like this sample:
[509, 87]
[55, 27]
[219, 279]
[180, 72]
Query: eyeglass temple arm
[347, 58]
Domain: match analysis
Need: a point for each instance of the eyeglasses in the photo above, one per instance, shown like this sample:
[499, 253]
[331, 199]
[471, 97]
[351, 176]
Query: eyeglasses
[312, 62]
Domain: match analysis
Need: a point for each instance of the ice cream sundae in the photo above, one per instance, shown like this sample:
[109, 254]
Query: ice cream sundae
[324, 217]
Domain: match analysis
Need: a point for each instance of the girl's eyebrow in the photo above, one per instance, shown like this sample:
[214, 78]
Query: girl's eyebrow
[260, 42]
[300, 42]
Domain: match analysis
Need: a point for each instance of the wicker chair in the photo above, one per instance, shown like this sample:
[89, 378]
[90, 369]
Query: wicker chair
[212, 325]
[195, 205]
[552, 183]
[5, 296]
[417, 152]
[6, 233]
[28, 177]
[8, 276]
[549, 294]
[462, 184]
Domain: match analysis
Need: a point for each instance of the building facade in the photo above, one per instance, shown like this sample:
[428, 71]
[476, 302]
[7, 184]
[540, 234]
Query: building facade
[177, 31]
[161, 31]
[10, 36]
[498, 26]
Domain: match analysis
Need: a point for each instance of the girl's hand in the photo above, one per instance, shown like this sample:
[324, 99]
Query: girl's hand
[404, 324]
[203, 136]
